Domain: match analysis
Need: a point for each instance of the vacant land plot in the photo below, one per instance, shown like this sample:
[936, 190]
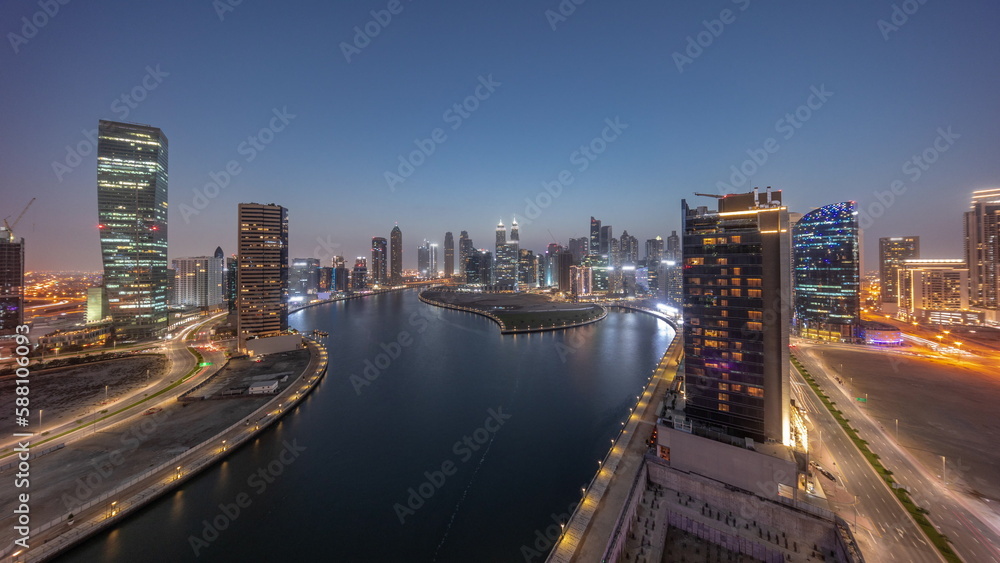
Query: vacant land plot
[71, 393]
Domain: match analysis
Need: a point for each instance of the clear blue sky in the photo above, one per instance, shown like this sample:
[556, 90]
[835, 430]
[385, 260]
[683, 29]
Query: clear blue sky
[556, 89]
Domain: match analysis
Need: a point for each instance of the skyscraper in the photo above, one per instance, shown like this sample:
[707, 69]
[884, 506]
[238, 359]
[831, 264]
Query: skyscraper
[527, 269]
[935, 291]
[132, 219]
[595, 235]
[11, 282]
[465, 249]
[737, 313]
[478, 267]
[827, 276]
[359, 276]
[579, 247]
[982, 249]
[395, 256]
[552, 264]
[892, 251]
[654, 251]
[427, 260]
[379, 275]
[199, 281]
[326, 279]
[231, 282]
[449, 255]
[629, 248]
[673, 251]
[605, 240]
[262, 271]
[303, 280]
[505, 259]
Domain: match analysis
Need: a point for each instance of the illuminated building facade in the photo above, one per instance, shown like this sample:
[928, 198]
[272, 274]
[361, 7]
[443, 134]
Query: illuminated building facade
[395, 256]
[11, 282]
[736, 285]
[449, 255]
[982, 248]
[934, 291]
[827, 274]
[132, 217]
[261, 271]
[892, 251]
[199, 281]
[380, 274]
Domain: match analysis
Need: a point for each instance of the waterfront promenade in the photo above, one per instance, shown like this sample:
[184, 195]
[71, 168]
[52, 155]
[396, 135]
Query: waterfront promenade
[586, 536]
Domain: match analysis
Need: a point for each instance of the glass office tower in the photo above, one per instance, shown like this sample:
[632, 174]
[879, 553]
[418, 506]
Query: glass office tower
[132, 217]
[827, 276]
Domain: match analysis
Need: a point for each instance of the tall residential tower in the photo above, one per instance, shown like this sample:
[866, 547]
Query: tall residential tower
[737, 313]
[262, 271]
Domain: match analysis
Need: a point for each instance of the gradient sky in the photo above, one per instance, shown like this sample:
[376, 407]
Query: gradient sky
[557, 87]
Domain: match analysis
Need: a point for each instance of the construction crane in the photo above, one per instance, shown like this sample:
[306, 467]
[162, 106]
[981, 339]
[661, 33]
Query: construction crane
[716, 196]
[10, 227]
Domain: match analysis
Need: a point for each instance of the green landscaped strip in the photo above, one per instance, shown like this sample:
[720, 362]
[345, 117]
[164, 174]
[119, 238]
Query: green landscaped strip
[919, 514]
[190, 373]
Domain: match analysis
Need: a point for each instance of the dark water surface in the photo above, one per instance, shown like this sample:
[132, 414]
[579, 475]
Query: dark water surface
[560, 397]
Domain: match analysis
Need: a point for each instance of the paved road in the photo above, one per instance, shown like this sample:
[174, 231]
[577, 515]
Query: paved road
[885, 530]
[974, 536]
[181, 361]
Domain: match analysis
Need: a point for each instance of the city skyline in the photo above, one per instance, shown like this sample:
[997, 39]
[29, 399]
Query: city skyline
[907, 102]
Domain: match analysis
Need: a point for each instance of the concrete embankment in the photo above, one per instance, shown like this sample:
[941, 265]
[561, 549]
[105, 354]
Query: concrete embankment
[504, 329]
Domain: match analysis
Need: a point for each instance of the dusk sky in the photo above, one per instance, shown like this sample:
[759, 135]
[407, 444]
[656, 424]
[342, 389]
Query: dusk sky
[891, 92]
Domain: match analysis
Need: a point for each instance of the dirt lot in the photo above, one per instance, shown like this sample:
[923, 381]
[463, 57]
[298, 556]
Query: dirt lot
[243, 372]
[72, 393]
